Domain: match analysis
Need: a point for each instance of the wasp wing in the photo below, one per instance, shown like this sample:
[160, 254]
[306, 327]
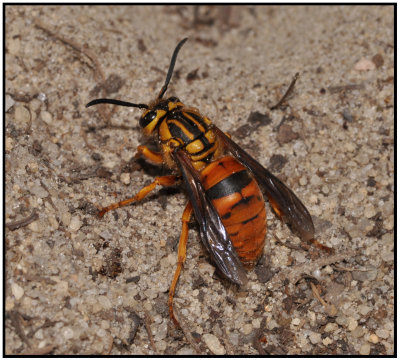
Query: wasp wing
[282, 199]
[212, 232]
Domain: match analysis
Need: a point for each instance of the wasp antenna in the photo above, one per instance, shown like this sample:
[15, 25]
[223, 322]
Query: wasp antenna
[171, 68]
[116, 102]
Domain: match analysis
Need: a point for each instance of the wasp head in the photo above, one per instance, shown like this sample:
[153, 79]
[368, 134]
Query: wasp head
[157, 112]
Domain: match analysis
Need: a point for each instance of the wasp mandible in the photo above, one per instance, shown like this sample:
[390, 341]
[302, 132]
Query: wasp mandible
[221, 181]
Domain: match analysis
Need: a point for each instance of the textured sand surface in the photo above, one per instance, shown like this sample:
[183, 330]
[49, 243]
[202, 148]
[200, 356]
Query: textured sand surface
[76, 284]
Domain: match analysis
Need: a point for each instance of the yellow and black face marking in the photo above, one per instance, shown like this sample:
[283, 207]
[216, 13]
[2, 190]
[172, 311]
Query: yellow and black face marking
[223, 190]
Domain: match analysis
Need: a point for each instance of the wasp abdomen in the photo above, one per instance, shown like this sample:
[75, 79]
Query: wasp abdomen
[240, 204]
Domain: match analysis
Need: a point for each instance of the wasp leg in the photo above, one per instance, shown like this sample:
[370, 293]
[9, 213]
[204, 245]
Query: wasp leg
[154, 157]
[181, 258]
[167, 180]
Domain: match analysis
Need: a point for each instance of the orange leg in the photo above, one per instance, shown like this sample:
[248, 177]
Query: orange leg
[167, 180]
[154, 157]
[181, 258]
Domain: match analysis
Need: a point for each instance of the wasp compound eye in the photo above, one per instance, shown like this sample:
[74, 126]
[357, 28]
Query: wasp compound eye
[148, 118]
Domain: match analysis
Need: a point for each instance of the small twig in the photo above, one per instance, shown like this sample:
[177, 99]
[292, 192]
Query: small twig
[147, 322]
[182, 322]
[340, 268]
[330, 309]
[308, 267]
[98, 72]
[287, 244]
[49, 196]
[257, 336]
[15, 318]
[38, 351]
[136, 321]
[291, 86]
[230, 350]
[82, 49]
[12, 226]
[339, 88]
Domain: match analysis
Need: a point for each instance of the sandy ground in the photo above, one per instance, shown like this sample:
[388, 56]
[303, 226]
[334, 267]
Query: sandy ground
[76, 284]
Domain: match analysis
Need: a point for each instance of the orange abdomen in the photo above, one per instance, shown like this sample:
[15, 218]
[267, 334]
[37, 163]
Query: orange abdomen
[240, 204]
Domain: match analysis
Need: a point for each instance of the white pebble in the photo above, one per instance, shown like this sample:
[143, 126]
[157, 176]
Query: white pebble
[9, 102]
[17, 291]
[213, 344]
[296, 321]
[303, 181]
[67, 332]
[46, 117]
[125, 178]
[364, 64]
[75, 224]
[315, 338]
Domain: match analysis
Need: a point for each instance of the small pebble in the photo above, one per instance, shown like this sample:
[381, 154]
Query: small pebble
[9, 144]
[185, 351]
[42, 97]
[67, 332]
[9, 303]
[373, 338]
[35, 227]
[357, 332]
[17, 291]
[66, 218]
[13, 46]
[296, 321]
[75, 224]
[327, 341]
[125, 178]
[22, 115]
[256, 323]
[247, 328]
[9, 102]
[330, 327]
[303, 181]
[369, 211]
[315, 338]
[161, 346]
[213, 344]
[364, 310]
[364, 65]
[205, 268]
[352, 324]
[388, 223]
[38, 191]
[382, 333]
[365, 349]
[105, 324]
[46, 117]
